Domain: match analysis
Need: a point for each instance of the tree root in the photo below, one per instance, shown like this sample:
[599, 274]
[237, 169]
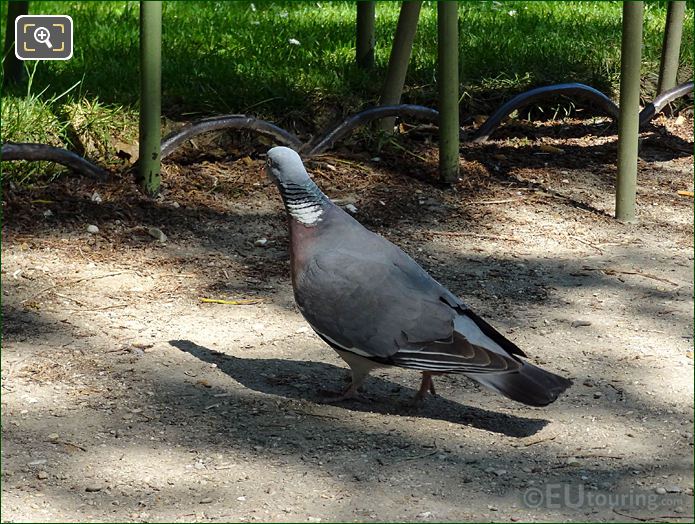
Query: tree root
[174, 140]
[655, 107]
[580, 91]
[329, 138]
[25, 151]
[601, 101]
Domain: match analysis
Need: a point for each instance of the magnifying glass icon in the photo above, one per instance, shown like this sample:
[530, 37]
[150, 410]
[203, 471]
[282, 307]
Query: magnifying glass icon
[42, 36]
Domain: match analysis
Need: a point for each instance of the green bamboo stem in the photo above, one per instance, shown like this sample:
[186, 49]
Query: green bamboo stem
[671, 49]
[400, 56]
[448, 80]
[364, 48]
[150, 95]
[628, 120]
[13, 71]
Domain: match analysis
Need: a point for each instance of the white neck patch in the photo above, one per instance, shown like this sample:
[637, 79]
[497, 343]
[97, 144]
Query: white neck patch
[306, 212]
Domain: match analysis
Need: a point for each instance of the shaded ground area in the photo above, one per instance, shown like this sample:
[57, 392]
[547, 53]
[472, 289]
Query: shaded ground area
[127, 398]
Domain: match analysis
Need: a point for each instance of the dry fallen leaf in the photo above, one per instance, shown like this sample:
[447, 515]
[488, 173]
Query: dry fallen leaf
[547, 148]
[479, 119]
[686, 193]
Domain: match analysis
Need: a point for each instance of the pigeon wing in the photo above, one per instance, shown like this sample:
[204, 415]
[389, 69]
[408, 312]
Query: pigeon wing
[374, 302]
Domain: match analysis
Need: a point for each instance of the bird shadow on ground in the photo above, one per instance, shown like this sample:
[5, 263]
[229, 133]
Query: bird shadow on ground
[291, 379]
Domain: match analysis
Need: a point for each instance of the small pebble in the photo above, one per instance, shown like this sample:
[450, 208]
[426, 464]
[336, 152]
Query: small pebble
[350, 208]
[42, 475]
[157, 234]
[660, 491]
[260, 242]
[53, 436]
[91, 228]
[206, 500]
[673, 489]
[241, 499]
[425, 515]
[96, 198]
[492, 508]
[93, 488]
[48, 213]
[580, 323]
[598, 394]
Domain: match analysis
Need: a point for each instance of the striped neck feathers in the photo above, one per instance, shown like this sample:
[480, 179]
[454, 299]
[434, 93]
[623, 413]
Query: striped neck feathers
[304, 202]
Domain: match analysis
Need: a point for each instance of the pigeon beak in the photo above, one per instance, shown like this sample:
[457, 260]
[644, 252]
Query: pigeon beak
[264, 173]
[269, 177]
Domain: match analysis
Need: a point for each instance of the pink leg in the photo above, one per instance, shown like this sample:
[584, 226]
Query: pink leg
[352, 391]
[426, 385]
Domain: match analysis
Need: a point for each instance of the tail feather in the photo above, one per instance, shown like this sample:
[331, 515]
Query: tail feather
[530, 385]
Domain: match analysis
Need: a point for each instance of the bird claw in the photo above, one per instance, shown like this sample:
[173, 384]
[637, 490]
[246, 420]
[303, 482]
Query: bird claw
[426, 387]
[418, 400]
[332, 397]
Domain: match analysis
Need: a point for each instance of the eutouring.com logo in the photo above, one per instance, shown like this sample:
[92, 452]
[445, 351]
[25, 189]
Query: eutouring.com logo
[559, 496]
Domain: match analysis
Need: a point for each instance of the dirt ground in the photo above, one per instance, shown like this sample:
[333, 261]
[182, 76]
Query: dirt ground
[126, 398]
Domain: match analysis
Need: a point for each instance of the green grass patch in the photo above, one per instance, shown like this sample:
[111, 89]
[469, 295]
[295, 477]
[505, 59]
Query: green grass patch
[86, 126]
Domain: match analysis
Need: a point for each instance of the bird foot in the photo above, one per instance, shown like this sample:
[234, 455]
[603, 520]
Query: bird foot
[332, 397]
[418, 399]
[427, 386]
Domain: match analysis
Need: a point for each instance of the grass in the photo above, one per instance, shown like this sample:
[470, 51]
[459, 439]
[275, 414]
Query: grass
[236, 57]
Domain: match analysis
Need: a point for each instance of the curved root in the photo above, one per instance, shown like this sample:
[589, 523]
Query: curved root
[174, 140]
[655, 107]
[25, 151]
[328, 139]
[602, 102]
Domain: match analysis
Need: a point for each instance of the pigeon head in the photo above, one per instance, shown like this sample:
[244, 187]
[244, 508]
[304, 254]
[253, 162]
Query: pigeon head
[285, 168]
[303, 200]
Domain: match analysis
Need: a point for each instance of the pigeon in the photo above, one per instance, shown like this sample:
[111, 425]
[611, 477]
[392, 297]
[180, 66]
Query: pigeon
[376, 307]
